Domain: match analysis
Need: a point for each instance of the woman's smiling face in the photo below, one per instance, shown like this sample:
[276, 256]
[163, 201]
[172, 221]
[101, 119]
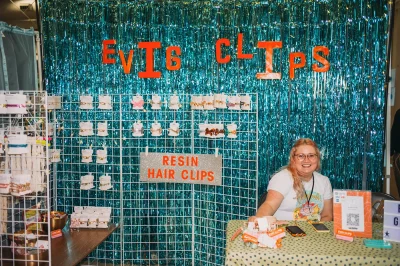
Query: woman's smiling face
[305, 161]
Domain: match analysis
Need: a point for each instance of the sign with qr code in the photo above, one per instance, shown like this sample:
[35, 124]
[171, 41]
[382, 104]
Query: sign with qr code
[391, 220]
[352, 212]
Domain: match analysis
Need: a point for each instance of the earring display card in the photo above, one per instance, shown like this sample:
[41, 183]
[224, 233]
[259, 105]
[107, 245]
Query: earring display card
[101, 156]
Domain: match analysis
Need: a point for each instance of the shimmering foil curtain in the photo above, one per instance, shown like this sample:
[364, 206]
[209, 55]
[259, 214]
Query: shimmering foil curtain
[342, 109]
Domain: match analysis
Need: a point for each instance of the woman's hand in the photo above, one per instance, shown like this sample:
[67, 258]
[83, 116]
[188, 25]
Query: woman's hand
[327, 211]
[252, 219]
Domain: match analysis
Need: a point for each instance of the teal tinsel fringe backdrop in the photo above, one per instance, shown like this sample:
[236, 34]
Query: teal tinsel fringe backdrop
[342, 109]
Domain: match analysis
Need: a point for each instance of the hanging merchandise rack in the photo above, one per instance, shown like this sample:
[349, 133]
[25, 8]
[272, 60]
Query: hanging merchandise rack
[24, 177]
[100, 140]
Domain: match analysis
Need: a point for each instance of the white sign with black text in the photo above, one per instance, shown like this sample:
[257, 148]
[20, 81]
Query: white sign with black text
[391, 221]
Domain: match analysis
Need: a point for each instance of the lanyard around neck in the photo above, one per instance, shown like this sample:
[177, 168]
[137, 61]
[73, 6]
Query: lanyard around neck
[312, 190]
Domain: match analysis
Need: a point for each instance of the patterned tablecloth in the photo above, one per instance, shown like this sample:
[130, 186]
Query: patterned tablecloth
[313, 249]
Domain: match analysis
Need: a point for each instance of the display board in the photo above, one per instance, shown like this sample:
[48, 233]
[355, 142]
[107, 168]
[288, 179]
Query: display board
[162, 223]
[130, 46]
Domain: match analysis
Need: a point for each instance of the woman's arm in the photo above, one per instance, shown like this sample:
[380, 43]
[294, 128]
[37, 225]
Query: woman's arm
[270, 205]
[327, 211]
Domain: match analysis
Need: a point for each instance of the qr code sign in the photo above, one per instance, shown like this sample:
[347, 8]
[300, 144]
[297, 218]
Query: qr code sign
[353, 220]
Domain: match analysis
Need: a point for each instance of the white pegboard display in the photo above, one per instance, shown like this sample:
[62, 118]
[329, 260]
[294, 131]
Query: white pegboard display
[24, 177]
[161, 223]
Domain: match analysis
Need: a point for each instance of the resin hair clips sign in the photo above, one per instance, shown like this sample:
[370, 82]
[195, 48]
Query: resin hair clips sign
[181, 168]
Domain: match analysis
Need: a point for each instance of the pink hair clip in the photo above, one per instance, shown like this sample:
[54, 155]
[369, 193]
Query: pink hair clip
[136, 104]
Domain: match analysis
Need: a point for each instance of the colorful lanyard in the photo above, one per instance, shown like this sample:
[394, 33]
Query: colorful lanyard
[312, 190]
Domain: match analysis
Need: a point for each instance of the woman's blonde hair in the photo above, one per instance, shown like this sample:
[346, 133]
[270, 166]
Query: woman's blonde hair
[297, 184]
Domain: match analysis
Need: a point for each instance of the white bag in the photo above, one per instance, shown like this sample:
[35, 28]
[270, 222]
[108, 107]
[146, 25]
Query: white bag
[101, 156]
[16, 103]
[87, 156]
[105, 182]
[86, 102]
[102, 129]
[17, 144]
[20, 184]
[105, 102]
[86, 129]
[87, 182]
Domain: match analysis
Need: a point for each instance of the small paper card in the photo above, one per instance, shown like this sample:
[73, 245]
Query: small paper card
[266, 240]
[42, 244]
[352, 212]
[78, 209]
[391, 220]
[262, 224]
[56, 233]
[345, 235]
[277, 233]
[251, 226]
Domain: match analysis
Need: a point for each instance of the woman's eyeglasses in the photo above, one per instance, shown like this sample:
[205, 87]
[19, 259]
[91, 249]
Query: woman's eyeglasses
[311, 157]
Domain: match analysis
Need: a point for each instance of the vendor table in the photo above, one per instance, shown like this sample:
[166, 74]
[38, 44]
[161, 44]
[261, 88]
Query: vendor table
[313, 249]
[69, 249]
[74, 246]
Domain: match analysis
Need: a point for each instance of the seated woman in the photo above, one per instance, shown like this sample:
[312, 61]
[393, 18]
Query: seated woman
[298, 192]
